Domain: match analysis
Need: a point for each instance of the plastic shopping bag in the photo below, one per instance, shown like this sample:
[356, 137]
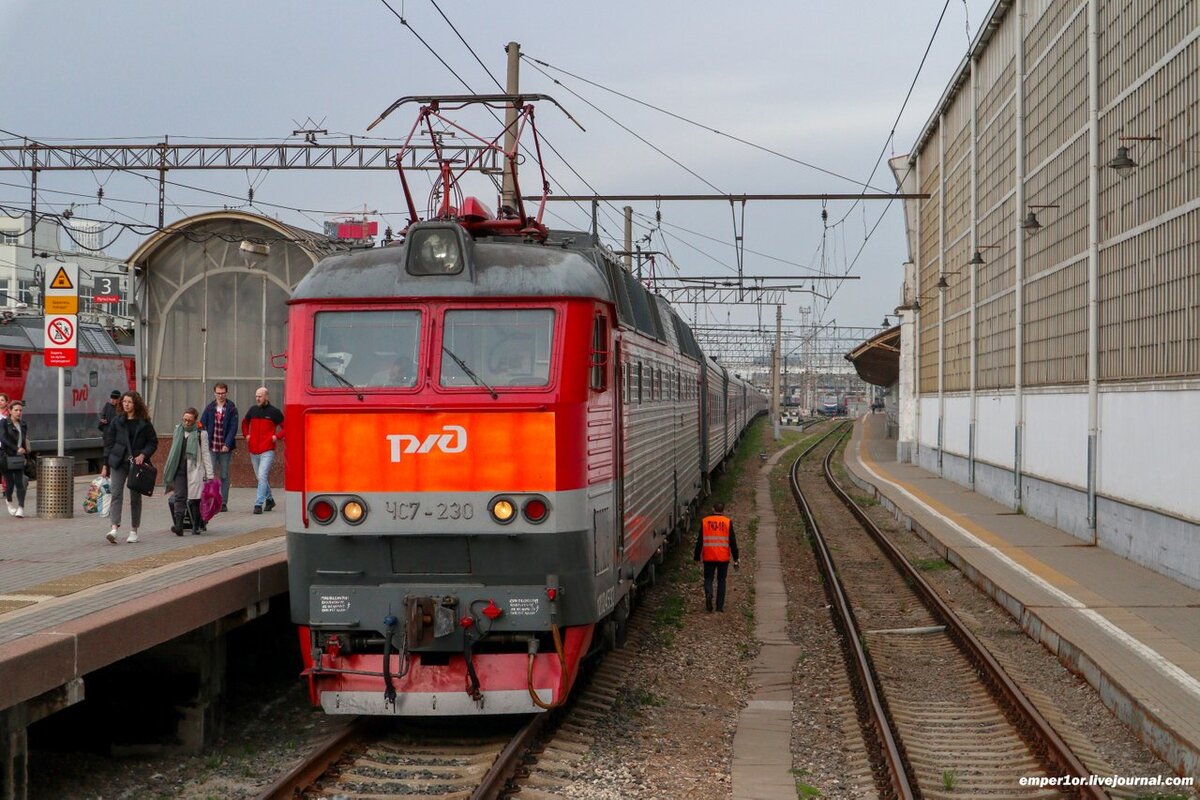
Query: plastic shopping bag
[98, 488]
[210, 499]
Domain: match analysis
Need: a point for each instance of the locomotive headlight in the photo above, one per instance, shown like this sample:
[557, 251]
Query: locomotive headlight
[435, 250]
[354, 512]
[503, 510]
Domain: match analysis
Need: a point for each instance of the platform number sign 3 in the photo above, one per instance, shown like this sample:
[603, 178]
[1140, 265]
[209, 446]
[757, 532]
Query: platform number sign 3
[106, 289]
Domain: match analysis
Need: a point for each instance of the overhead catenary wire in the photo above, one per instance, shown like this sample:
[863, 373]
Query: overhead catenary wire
[700, 125]
[883, 151]
[630, 131]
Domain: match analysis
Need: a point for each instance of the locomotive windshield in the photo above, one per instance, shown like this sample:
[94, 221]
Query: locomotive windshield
[503, 347]
[366, 349]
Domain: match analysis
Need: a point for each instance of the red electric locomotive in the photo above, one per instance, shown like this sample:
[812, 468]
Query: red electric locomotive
[493, 431]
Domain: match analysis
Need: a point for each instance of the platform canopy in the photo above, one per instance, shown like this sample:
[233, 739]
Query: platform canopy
[877, 360]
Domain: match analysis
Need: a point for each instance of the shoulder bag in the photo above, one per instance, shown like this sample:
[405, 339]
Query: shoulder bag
[142, 477]
[16, 461]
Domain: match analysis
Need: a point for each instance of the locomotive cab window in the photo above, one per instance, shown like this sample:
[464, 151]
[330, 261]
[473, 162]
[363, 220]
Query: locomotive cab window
[497, 347]
[361, 349]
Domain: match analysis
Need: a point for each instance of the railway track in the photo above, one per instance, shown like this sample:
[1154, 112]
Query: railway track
[373, 759]
[943, 717]
[376, 759]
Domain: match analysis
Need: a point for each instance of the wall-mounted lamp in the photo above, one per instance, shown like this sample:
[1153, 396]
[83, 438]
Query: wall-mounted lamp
[942, 283]
[916, 303]
[885, 323]
[1030, 224]
[1122, 162]
[977, 259]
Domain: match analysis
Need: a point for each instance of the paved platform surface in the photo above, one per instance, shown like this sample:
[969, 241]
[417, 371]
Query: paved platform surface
[1132, 633]
[70, 602]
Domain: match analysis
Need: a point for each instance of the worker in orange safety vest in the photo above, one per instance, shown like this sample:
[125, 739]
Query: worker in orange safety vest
[714, 546]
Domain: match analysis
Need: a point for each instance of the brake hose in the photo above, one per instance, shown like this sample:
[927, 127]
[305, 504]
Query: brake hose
[562, 663]
[389, 691]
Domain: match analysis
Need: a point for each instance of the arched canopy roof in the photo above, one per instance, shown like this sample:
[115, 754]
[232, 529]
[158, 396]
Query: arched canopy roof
[211, 305]
[316, 244]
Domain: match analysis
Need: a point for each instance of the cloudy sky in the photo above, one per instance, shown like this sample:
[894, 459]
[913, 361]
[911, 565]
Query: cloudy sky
[818, 82]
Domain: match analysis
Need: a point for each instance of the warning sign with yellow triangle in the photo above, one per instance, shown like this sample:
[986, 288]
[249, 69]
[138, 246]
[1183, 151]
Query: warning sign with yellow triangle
[61, 289]
[61, 280]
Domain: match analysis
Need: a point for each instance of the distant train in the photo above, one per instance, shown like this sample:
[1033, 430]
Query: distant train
[103, 366]
[498, 430]
[832, 405]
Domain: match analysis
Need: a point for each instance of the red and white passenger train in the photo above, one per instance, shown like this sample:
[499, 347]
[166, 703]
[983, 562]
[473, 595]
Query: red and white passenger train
[103, 365]
[494, 430]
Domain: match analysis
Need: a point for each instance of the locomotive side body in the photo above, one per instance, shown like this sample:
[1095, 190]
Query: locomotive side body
[482, 461]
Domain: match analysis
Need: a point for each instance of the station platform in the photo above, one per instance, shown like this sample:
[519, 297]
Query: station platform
[71, 603]
[1132, 633]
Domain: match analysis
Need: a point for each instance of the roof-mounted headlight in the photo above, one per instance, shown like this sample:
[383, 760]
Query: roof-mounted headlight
[438, 249]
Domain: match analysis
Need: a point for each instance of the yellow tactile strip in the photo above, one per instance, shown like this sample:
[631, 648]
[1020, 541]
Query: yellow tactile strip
[13, 605]
[69, 584]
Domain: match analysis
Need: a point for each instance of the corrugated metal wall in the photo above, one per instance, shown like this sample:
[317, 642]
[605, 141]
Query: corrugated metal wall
[1149, 222]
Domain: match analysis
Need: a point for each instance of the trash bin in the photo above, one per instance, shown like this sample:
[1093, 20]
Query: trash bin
[56, 487]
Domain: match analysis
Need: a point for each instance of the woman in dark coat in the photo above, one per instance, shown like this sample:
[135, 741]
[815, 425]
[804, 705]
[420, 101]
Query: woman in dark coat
[14, 437]
[130, 436]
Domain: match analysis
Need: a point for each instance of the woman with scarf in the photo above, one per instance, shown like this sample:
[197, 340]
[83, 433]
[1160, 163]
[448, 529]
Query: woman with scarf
[188, 466]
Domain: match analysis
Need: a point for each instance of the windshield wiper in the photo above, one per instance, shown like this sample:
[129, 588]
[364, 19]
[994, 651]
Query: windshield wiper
[340, 378]
[462, 365]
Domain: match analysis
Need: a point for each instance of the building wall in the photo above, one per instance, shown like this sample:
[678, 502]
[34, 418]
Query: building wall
[1024, 91]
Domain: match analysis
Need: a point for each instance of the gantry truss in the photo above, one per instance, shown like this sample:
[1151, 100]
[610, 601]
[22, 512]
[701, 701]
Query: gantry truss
[164, 156]
[805, 348]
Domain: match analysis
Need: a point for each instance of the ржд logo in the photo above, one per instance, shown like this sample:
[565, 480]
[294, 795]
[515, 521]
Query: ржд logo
[453, 440]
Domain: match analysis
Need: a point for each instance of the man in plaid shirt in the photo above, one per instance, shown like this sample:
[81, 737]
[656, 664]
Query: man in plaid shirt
[220, 419]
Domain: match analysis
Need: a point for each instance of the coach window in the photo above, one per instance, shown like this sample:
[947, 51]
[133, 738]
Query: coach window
[599, 353]
[498, 346]
[639, 382]
[361, 349]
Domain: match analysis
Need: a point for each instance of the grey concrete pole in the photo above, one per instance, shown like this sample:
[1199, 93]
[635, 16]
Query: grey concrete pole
[508, 192]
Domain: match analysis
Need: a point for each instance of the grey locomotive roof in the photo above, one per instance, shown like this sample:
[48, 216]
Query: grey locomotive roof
[500, 268]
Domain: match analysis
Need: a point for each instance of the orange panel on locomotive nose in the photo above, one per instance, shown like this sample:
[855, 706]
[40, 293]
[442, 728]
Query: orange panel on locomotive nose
[429, 452]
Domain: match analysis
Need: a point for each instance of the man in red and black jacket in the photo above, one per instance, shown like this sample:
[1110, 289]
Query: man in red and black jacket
[262, 427]
[715, 544]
